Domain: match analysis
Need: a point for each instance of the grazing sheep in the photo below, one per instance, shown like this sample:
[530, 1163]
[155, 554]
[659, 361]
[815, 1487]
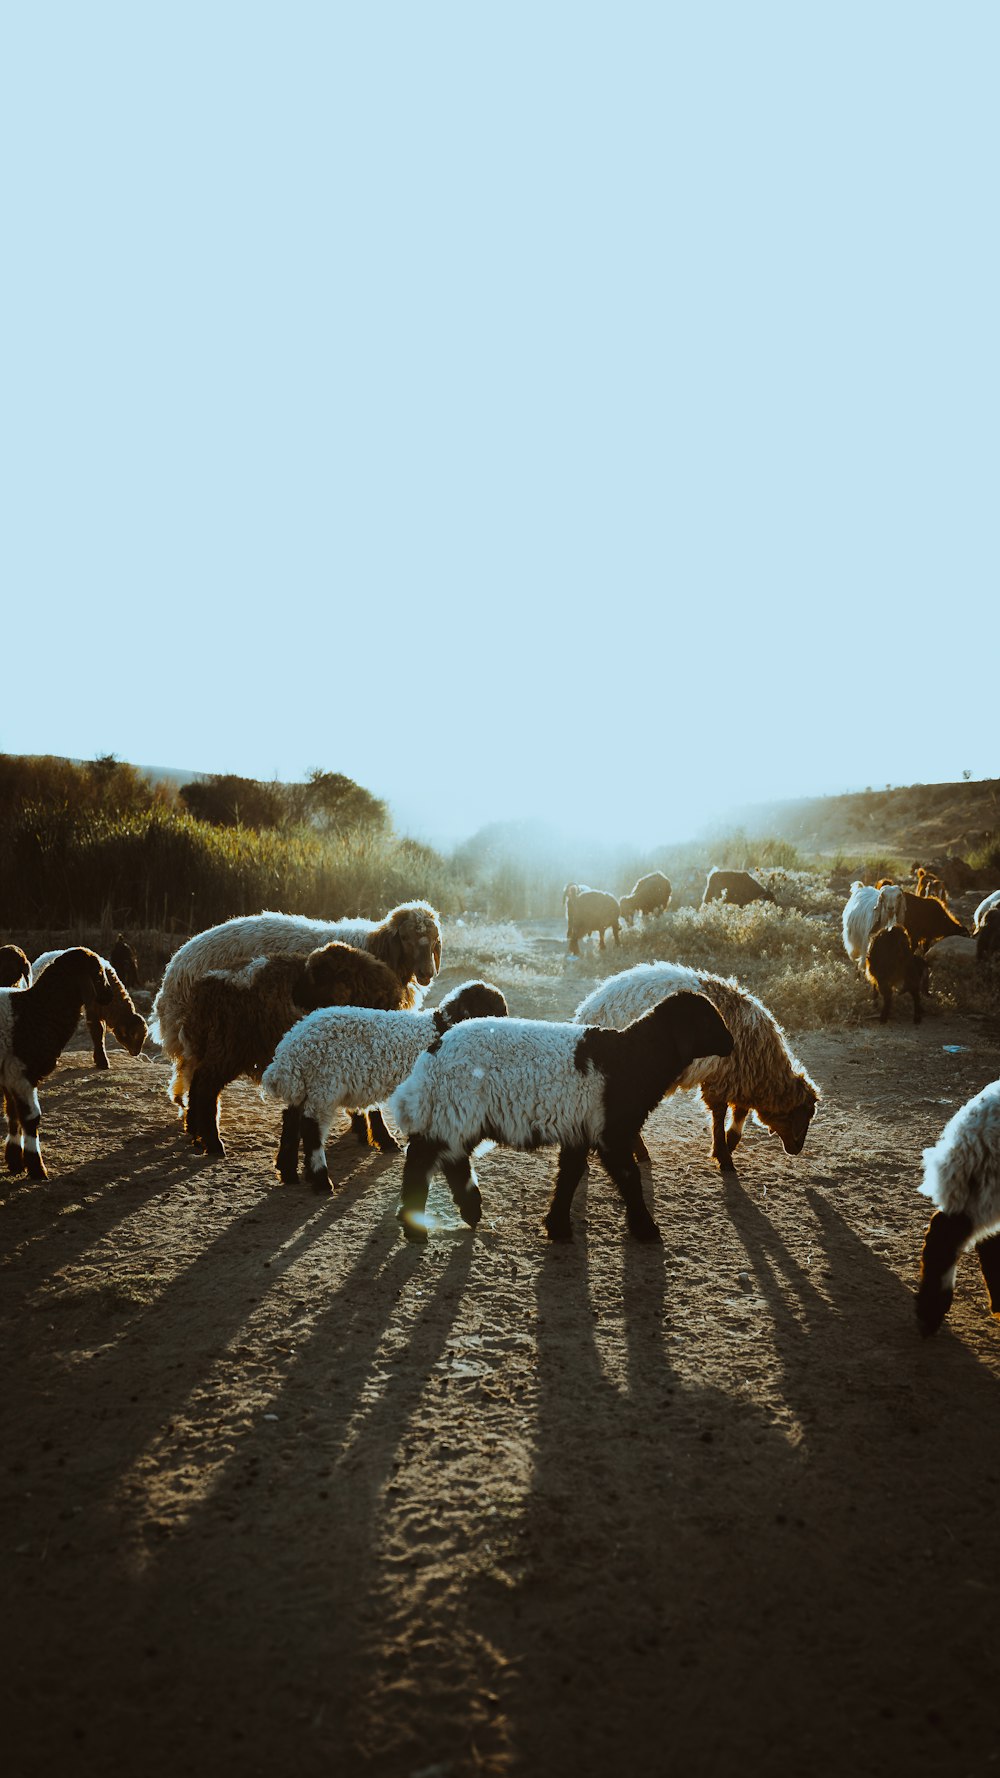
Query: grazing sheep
[117, 1014]
[237, 1017]
[760, 1074]
[651, 895]
[892, 963]
[36, 1024]
[14, 967]
[529, 1083]
[926, 919]
[866, 912]
[985, 907]
[962, 1178]
[349, 1059]
[589, 910]
[408, 939]
[124, 962]
[737, 887]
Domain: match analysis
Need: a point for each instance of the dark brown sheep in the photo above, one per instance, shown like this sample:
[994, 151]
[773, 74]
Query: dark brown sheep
[927, 918]
[236, 1018]
[36, 1024]
[651, 895]
[737, 887]
[891, 964]
[124, 962]
[590, 910]
[118, 1014]
[14, 967]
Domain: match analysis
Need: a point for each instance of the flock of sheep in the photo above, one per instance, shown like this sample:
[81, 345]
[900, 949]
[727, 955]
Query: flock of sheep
[327, 1018]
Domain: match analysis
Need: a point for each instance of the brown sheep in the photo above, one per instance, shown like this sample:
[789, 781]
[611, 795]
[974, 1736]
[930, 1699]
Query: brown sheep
[927, 918]
[589, 910]
[929, 884]
[14, 967]
[651, 895]
[124, 962]
[36, 1024]
[236, 1018]
[892, 963]
[738, 888]
[117, 1014]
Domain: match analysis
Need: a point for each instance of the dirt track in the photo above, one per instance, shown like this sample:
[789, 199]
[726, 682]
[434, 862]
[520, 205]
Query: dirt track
[283, 1495]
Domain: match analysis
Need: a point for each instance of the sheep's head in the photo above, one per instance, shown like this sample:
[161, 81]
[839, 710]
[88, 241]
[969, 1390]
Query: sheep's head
[473, 1000]
[125, 962]
[14, 966]
[342, 975]
[411, 942]
[792, 1127]
[129, 1027]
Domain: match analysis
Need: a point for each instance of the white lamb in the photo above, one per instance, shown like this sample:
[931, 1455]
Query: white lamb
[962, 1178]
[868, 911]
[351, 1058]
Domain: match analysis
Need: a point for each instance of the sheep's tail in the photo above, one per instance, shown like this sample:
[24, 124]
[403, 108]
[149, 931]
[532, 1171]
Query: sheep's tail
[411, 1101]
[282, 1083]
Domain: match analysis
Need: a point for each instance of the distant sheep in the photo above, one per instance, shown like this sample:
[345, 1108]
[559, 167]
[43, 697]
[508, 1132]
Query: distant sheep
[893, 964]
[124, 962]
[36, 1024]
[760, 1074]
[928, 884]
[962, 1178]
[15, 970]
[118, 1014]
[985, 907]
[868, 911]
[589, 910]
[347, 1059]
[737, 887]
[408, 939]
[651, 895]
[530, 1083]
[236, 1018]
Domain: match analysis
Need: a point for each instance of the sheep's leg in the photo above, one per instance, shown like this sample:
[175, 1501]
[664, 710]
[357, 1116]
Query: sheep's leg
[946, 1236]
[625, 1173]
[181, 1082]
[202, 1121]
[918, 1011]
[14, 1150]
[95, 1025]
[359, 1127]
[462, 1183]
[886, 1006]
[720, 1142]
[735, 1130]
[287, 1157]
[640, 1151]
[572, 1162]
[421, 1159]
[314, 1149]
[603, 946]
[30, 1115]
[379, 1136]
[988, 1254]
[615, 931]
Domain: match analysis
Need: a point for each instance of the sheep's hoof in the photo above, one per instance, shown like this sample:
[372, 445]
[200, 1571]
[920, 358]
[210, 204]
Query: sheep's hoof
[470, 1208]
[386, 1144]
[413, 1224]
[726, 1162]
[644, 1228]
[36, 1167]
[288, 1173]
[320, 1181]
[14, 1156]
[558, 1228]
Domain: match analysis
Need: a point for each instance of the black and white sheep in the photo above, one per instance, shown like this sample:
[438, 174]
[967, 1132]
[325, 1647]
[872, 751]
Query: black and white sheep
[237, 1017]
[408, 939]
[651, 895]
[15, 969]
[867, 911]
[589, 910]
[36, 1024]
[893, 964]
[962, 1179]
[986, 906]
[117, 1014]
[529, 1084]
[349, 1059]
[758, 1073]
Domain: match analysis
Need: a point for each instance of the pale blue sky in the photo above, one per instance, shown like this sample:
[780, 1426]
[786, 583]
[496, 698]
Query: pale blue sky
[523, 409]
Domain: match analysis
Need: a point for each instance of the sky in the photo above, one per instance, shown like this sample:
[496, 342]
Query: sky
[565, 411]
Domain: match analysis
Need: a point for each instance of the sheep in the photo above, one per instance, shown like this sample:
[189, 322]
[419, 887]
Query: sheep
[651, 895]
[760, 1074]
[988, 937]
[962, 1179]
[738, 888]
[36, 1024]
[926, 918]
[14, 967]
[867, 911]
[529, 1083]
[929, 884]
[118, 1013]
[237, 1017]
[892, 963]
[343, 1059]
[985, 907]
[408, 939]
[589, 910]
[124, 962]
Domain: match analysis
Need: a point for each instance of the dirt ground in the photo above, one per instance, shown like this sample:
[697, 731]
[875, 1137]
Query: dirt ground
[283, 1495]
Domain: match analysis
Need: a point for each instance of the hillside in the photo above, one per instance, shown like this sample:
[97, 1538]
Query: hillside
[914, 820]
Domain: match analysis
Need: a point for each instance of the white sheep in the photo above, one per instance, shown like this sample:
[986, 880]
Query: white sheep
[760, 1074]
[408, 939]
[529, 1083]
[988, 902]
[868, 911]
[962, 1178]
[349, 1059]
[36, 1024]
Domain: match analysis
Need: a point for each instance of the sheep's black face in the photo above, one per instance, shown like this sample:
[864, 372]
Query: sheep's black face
[132, 1033]
[792, 1128]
